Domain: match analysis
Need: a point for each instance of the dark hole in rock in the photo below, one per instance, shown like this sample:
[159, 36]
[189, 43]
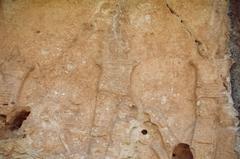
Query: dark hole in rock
[198, 42]
[144, 132]
[38, 31]
[182, 151]
[5, 104]
[18, 120]
[12, 102]
[3, 117]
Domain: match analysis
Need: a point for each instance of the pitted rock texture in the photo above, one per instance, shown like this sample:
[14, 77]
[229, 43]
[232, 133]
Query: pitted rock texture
[115, 79]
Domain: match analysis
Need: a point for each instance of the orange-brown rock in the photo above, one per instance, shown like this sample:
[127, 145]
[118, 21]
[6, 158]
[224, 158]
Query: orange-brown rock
[115, 79]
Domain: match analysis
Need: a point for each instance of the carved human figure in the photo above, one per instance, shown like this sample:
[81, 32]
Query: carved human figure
[173, 93]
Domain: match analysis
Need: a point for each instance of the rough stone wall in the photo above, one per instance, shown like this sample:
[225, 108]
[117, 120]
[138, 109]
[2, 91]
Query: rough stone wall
[115, 79]
[234, 44]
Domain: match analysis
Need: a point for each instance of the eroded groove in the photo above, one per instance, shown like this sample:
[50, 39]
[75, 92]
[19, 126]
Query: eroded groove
[23, 81]
[169, 139]
[195, 97]
[155, 153]
[94, 111]
[161, 151]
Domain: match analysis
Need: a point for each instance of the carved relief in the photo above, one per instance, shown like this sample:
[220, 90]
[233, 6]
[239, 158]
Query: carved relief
[138, 82]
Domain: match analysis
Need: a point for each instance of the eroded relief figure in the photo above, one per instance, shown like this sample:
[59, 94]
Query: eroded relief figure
[13, 72]
[159, 102]
[134, 82]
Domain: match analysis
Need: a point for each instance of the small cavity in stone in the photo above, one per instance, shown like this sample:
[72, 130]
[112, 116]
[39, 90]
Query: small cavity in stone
[144, 132]
[182, 151]
[18, 120]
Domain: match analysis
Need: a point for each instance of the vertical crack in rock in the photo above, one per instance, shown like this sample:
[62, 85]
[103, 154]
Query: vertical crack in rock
[201, 47]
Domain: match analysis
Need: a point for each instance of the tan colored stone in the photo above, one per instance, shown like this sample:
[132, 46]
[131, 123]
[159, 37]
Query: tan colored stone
[116, 79]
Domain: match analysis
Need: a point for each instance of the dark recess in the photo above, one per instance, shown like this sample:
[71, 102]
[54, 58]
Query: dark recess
[18, 119]
[144, 132]
[182, 151]
[234, 14]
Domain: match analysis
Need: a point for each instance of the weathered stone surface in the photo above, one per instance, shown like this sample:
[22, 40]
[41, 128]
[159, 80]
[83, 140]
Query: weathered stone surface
[115, 79]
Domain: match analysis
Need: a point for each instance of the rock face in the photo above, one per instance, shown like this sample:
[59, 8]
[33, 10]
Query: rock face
[98, 79]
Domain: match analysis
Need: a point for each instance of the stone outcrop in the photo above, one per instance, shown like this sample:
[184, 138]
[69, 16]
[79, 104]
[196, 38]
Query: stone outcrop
[115, 79]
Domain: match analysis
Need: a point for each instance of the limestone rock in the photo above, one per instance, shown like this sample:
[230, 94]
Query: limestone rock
[115, 79]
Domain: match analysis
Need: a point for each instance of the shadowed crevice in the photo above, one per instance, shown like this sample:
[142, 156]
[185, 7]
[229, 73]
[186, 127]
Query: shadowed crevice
[234, 15]
[18, 119]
